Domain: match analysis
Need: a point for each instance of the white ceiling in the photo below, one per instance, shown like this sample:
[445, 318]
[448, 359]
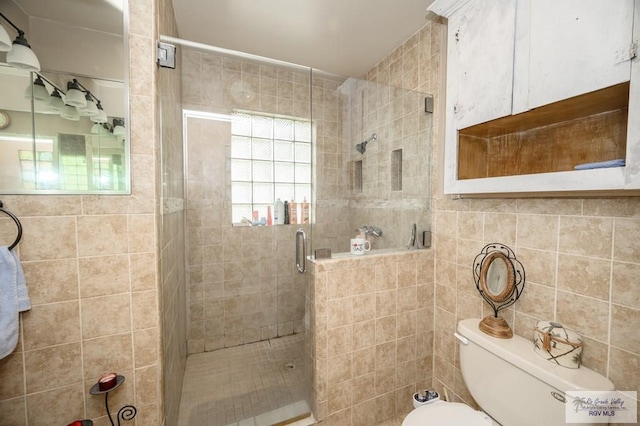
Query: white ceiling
[100, 15]
[346, 37]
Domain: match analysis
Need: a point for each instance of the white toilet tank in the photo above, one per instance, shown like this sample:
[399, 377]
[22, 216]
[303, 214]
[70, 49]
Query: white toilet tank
[516, 386]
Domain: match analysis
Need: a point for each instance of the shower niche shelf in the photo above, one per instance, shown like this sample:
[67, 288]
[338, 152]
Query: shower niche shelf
[396, 170]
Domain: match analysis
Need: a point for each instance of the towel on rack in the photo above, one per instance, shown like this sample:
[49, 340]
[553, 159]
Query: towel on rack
[14, 298]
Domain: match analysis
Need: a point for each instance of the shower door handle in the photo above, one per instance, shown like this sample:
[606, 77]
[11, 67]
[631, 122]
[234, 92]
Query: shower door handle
[301, 240]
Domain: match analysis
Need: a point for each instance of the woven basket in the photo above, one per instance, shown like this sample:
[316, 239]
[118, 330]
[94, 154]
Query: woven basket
[557, 344]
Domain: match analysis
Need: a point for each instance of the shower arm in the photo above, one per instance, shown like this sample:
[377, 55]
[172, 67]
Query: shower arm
[362, 147]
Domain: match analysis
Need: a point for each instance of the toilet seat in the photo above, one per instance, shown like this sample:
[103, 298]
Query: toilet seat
[447, 413]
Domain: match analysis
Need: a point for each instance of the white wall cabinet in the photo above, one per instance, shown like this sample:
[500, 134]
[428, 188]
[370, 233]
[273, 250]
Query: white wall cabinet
[518, 58]
[569, 47]
[481, 46]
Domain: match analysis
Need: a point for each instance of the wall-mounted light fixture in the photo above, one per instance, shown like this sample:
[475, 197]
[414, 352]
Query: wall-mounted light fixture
[19, 53]
[117, 128]
[76, 102]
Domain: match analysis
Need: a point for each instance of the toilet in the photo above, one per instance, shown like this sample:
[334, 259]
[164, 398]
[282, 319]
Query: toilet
[510, 382]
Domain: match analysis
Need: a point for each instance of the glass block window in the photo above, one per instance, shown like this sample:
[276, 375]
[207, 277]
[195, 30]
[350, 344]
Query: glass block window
[270, 159]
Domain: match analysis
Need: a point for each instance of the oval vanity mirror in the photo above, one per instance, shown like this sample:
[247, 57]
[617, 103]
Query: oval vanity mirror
[496, 277]
[67, 126]
[499, 278]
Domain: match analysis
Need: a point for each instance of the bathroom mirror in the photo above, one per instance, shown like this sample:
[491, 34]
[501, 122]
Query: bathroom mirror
[496, 276]
[42, 149]
[500, 280]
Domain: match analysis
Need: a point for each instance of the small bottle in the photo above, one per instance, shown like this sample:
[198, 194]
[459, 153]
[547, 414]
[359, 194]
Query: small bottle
[305, 211]
[269, 220]
[278, 212]
[293, 212]
[286, 212]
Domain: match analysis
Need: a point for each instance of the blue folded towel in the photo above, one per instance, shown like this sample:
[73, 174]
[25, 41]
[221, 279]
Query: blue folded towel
[14, 298]
[601, 164]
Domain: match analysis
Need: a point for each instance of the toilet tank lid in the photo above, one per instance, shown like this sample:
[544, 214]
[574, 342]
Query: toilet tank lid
[519, 352]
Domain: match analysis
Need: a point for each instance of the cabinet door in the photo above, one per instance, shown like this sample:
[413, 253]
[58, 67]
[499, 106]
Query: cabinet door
[572, 47]
[480, 61]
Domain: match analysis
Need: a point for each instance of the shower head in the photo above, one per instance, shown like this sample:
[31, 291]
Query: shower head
[362, 147]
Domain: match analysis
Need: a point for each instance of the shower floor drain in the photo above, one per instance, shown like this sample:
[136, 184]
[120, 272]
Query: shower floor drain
[290, 366]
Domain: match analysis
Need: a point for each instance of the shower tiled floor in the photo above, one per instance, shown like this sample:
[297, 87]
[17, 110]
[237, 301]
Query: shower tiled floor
[245, 385]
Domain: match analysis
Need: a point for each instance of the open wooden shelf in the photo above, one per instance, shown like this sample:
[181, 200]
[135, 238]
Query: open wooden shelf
[552, 138]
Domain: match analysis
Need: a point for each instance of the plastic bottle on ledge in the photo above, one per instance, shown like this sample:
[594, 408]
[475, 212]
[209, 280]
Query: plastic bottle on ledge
[305, 211]
[286, 212]
[293, 212]
[278, 212]
[269, 219]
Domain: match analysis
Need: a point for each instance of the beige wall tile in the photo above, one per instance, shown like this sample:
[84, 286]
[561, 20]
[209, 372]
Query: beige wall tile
[143, 240]
[540, 266]
[385, 356]
[13, 412]
[407, 274]
[537, 232]
[537, 301]
[364, 334]
[406, 324]
[627, 240]
[58, 406]
[625, 323]
[385, 329]
[385, 303]
[585, 315]
[44, 289]
[340, 312]
[614, 207]
[142, 269]
[103, 275]
[339, 341]
[145, 347]
[500, 227]
[106, 315]
[339, 369]
[339, 396]
[364, 307]
[364, 361]
[583, 275]
[145, 309]
[446, 297]
[54, 324]
[102, 235]
[47, 238]
[106, 354]
[12, 373]
[148, 414]
[51, 367]
[364, 413]
[594, 355]
[586, 236]
[385, 407]
[470, 225]
[406, 300]
[624, 369]
[446, 223]
[51, 205]
[550, 206]
[386, 278]
[146, 389]
[625, 289]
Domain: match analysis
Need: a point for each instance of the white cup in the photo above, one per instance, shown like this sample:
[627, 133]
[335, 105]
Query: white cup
[359, 246]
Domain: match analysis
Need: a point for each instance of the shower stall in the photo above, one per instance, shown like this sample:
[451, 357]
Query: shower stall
[355, 153]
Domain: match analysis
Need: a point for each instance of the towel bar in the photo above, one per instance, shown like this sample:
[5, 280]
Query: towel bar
[18, 224]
